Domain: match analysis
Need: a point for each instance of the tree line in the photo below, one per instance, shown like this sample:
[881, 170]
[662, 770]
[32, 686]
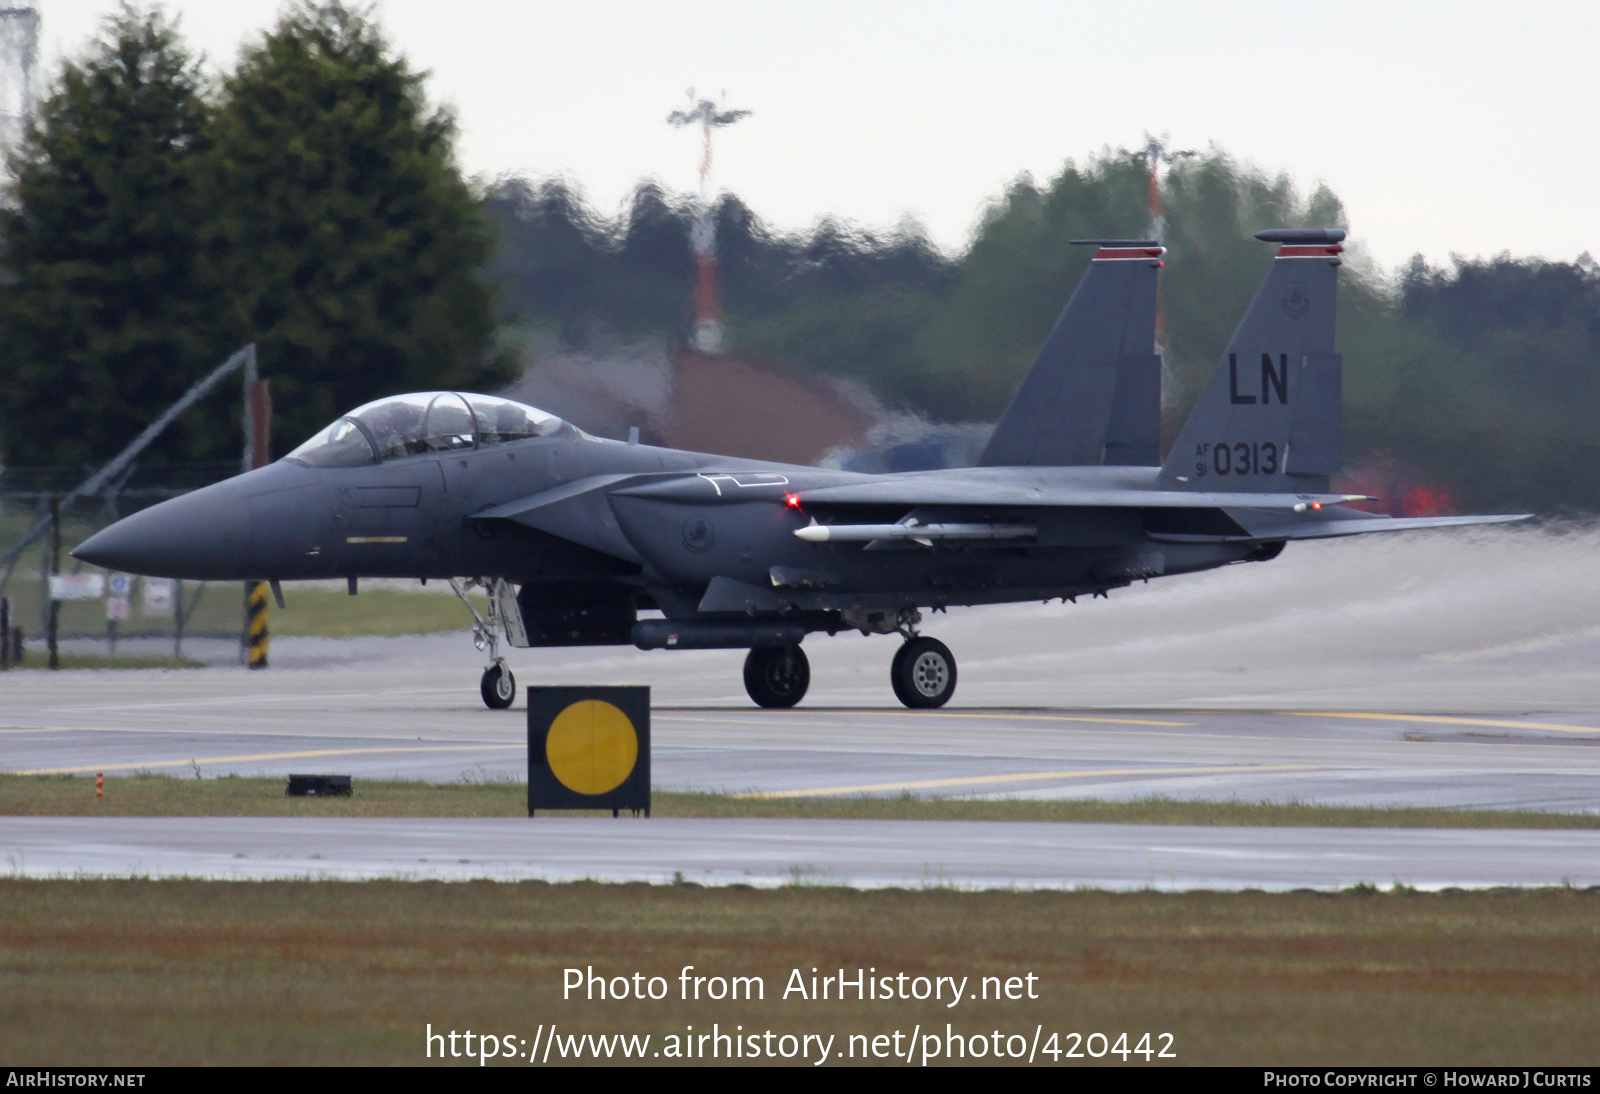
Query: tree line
[309, 200]
[1473, 385]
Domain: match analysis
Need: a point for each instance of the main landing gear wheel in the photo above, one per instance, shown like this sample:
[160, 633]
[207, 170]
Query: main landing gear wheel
[499, 687]
[923, 673]
[778, 676]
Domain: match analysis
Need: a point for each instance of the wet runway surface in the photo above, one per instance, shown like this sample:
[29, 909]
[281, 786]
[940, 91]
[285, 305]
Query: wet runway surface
[1450, 671]
[911, 854]
[1548, 761]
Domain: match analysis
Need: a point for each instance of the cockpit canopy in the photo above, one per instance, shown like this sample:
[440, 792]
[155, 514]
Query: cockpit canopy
[417, 424]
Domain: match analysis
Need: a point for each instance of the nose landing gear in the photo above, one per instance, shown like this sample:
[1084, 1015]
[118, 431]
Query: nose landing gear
[498, 687]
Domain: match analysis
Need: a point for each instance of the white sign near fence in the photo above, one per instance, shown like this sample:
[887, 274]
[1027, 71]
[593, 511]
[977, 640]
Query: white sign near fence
[116, 607]
[157, 596]
[77, 586]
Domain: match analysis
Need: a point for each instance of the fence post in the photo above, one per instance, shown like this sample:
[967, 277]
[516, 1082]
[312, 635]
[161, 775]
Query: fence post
[5, 633]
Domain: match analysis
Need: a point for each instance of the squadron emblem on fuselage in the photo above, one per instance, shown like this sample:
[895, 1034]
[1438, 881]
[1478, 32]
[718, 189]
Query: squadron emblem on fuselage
[699, 535]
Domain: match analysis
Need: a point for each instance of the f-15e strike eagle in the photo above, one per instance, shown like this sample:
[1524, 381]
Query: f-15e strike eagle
[573, 536]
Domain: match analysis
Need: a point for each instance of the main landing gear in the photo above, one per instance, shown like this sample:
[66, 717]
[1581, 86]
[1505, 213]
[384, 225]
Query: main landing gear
[498, 686]
[777, 676]
[923, 674]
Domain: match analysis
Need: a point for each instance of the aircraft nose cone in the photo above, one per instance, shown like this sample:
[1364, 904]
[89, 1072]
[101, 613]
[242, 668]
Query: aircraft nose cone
[200, 536]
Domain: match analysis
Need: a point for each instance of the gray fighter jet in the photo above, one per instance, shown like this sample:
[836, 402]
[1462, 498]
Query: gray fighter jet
[572, 536]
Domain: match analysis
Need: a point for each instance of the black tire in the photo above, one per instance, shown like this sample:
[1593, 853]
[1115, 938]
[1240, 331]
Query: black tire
[778, 676]
[923, 673]
[498, 687]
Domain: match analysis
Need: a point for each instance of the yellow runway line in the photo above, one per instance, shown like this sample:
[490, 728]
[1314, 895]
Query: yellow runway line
[976, 780]
[955, 714]
[1438, 718]
[263, 756]
[1034, 718]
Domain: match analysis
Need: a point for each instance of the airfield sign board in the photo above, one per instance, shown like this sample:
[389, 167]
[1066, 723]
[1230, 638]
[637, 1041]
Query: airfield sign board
[589, 748]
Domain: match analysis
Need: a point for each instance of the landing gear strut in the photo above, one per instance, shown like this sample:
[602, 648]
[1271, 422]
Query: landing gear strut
[498, 687]
[777, 676]
[923, 673]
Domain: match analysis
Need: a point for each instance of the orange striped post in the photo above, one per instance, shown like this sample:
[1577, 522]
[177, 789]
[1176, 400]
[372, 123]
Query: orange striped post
[99, 785]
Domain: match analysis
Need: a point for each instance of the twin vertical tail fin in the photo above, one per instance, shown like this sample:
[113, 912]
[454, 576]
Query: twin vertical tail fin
[1093, 395]
[1271, 418]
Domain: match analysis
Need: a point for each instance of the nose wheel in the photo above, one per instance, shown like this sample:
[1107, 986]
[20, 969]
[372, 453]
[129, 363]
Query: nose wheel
[498, 686]
[777, 677]
[923, 673]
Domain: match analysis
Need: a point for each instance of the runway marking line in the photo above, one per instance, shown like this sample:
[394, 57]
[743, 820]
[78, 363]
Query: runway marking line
[1438, 718]
[48, 729]
[203, 732]
[975, 780]
[953, 714]
[263, 756]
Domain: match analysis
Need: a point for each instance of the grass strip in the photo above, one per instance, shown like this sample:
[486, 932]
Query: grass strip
[133, 973]
[161, 795]
[312, 611]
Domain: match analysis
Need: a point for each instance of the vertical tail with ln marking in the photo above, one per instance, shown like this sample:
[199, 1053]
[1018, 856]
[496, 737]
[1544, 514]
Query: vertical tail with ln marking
[1271, 418]
[1093, 395]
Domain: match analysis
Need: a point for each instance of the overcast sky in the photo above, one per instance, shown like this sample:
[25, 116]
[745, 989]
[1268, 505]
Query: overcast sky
[1446, 127]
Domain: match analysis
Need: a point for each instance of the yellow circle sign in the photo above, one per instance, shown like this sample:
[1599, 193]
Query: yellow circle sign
[591, 747]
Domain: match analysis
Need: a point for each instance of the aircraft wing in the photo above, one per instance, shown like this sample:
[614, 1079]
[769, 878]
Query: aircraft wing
[986, 487]
[581, 511]
[1346, 523]
[933, 491]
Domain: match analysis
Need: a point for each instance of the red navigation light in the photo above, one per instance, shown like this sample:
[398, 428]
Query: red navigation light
[792, 500]
[1316, 505]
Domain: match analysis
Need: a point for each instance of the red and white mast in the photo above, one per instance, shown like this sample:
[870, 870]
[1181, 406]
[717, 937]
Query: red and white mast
[707, 337]
[1154, 154]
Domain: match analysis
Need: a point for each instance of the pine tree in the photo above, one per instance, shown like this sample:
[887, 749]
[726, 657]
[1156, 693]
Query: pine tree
[349, 242]
[107, 318]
